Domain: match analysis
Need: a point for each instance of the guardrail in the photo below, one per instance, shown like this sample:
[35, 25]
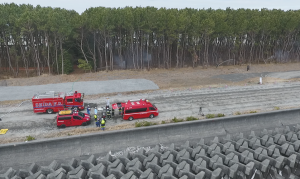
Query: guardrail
[74, 146]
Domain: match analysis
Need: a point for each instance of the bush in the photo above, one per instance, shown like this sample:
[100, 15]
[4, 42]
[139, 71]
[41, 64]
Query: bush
[210, 116]
[84, 65]
[191, 118]
[276, 108]
[238, 113]
[220, 115]
[163, 122]
[253, 112]
[29, 138]
[177, 120]
[144, 123]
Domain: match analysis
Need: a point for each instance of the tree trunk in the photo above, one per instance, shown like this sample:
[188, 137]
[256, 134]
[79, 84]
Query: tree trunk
[55, 43]
[8, 56]
[62, 56]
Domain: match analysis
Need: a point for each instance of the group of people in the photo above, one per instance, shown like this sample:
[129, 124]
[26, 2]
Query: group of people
[99, 122]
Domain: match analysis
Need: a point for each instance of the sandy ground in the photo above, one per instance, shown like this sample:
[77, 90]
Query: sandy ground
[227, 90]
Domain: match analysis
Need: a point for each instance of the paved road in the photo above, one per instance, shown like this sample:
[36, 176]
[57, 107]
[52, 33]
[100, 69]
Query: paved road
[88, 87]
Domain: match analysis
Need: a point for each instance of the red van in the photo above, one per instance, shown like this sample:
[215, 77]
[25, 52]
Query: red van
[136, 109]
[68, 118]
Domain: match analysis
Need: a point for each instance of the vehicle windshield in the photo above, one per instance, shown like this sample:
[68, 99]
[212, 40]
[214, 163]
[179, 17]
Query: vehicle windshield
[154, 106]
[77, 100]
[81, 114]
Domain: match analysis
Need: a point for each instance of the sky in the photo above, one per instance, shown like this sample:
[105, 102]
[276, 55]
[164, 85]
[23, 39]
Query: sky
[81, 5]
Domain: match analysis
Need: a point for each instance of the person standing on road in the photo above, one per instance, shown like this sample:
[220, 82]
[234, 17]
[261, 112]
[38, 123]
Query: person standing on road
[107, 103]
[108, 114]
[103, 124]
[112, 112]
[120, 111]
[96, 110]
[98, 123]
[95, 116]
[88, 110]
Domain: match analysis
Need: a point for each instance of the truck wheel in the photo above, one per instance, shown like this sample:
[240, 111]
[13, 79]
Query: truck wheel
[151, 116]
[83, 124]
[49, 111]
[130, 118]
[63, 126]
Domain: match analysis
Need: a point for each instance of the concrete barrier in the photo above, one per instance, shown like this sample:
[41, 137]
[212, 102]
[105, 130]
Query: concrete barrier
[75, 146]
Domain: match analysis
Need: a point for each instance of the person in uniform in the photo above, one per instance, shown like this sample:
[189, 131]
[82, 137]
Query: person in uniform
[102, 124]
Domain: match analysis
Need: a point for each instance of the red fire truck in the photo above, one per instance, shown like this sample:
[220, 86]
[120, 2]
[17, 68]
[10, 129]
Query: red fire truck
[56, 101]
[135, 109]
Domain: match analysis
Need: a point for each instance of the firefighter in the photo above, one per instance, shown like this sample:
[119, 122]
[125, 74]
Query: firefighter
[96, 110]
[107, 103]
[108, 113]
[112, 112]
[88, 110]
[102, 124]
[120, 111]
[98, 123]
[95, 116]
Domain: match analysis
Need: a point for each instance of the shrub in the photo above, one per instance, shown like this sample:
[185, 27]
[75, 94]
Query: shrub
[220, 115]
[138, 124]
[253, 112]
[29, 138]
[238, 113]
[176, 120]
[210, 116]
[163, 122]
[144, 123]
[276, 108]
[191, 118]
[84, 65]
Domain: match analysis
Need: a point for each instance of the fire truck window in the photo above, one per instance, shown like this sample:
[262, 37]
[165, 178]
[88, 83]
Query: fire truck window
[77, 117]
[136, 110]
[64, 118]
[77, 99]
[69, 100]
[151, 108]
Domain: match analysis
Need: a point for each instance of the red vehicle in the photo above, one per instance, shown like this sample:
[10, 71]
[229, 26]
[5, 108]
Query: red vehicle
[69, 118]
[135, 109]
[56, 101]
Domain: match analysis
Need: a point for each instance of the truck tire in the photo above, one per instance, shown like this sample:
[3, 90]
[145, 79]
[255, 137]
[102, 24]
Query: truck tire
[83, 124]
[130, 118]
[151, 116]
[63, 126]
[49, 111]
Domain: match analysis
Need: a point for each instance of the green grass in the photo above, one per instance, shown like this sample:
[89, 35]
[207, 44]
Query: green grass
[220, 115]
[238, 113]
[276, 108]
[208, 116]
[29, 138]
[163, 122]
[253, 111]
[145, 123]
[191, 118]
[176, 120]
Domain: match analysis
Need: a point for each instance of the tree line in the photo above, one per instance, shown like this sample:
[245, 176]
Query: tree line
[51, 40]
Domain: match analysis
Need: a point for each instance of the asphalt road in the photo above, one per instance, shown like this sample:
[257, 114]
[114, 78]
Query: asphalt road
[87, 87]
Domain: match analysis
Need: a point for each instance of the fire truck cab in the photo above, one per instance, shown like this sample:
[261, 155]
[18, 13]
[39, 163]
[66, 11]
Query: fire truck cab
[68, 118]
[55, 101]
[135, 109]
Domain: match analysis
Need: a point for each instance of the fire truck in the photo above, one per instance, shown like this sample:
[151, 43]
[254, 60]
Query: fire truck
[52, 101]
[135, 109]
